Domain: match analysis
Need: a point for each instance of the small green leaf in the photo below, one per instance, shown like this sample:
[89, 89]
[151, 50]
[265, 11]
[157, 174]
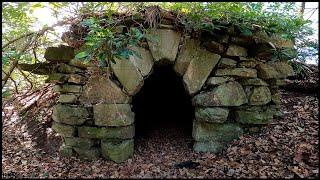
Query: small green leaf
[81, 55]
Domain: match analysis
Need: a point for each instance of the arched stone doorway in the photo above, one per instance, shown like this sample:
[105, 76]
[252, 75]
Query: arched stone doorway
[163, 103]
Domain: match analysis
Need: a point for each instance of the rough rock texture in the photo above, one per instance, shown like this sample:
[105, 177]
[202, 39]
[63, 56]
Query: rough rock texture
[65, 68]
[58, 78]
[212, 114]
[228, 94]
[199, 70]
[234, 50]
[59, 54]
[69, 115]
[113, 114]
[259, 95]
[64, 130]
[100, 89]
[128, 75]
[227, 63]
[116, 150]
[143, 62]
[124, 132]
[88, 154]
[79, 142]
[254, 115]
[80, 63]
[238, 72]
[218, 80]
[67, 88]
[65, 151]
[67, 98]
[203, 131]
[274, 70]
[187, 53]
[165, 44]
[253, 81]
[214, 47]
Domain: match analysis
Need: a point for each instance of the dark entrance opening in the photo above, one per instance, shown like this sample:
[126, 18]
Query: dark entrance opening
[163, 105]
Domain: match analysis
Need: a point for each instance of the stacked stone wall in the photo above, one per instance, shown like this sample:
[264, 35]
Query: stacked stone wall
[232, 81]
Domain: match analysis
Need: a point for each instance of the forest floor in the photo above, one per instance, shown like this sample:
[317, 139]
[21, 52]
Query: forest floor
[286, 148]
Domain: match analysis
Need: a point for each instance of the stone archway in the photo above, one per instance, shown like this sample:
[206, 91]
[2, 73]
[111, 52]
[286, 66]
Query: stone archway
[230, 91]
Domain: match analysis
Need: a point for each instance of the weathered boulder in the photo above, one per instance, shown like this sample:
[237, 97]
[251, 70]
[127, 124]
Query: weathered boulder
[218, 80]
[128, 75]
[187, 53]
[274, 70]
[166, 45]
[113, 114]
[249, 63]
[212, 114]
[123, 132]
[199, 69]
[258, 95]
[67, 98]
[227, 63]
[238, 72]
[88, 154]
[203, 131]
[234, 50]
[57, 78]
[143, 62]
[64, 130]
[253, 81]
[69, 115]
[117, 150]
[254, 115]
[59, 54]
[208, 146]
[67, 88]
[100, 89]
[228, 94]
[79, 142]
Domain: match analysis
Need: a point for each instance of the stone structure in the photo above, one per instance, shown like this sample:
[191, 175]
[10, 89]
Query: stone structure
[233, 91]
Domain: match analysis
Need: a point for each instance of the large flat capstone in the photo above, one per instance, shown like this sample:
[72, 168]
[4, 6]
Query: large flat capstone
[113, 114]
[59, 54]
[199, 69]
[227, 94]
[164, 45]
[100, 89]
[69, 115]
[128, 75]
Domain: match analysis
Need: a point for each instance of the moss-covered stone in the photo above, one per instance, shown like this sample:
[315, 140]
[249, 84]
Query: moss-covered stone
[124, 132]
[234, 50]
[67, 98]
[83, 143]
[208, 146]
[276, 82]
[117, 150]
[227, 63]
[165, 44]
[67, 88]
[81, 64]
[259, 95]
[218, 80]
[128, 75]
[228, 94]
[238, 72]
[100, 89]
[69, 115]
[113, 114]
[204, 131]
[59, 54]
[199, 69]
[88, 154]
[57, 78]
[254, 115]
[253, 81]
[213, 114]
[64, 130]
[65, 151]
